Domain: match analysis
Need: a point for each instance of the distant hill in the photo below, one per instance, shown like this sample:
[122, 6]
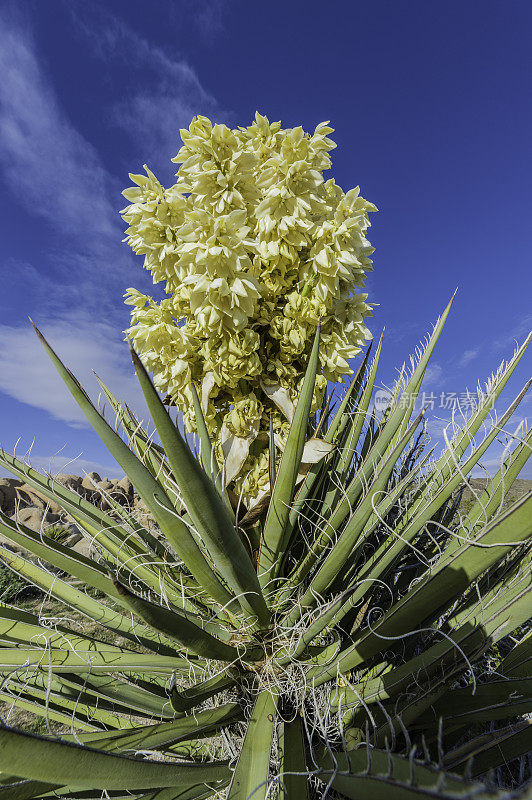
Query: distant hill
[519, 487]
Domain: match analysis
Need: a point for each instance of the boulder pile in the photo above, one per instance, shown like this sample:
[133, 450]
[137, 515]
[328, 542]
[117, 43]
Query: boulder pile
[30, 507]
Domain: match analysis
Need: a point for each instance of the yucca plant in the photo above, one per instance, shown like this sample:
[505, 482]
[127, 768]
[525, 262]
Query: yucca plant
[331, 642]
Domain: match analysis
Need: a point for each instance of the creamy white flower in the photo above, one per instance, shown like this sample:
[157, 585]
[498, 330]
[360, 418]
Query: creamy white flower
[255, 249]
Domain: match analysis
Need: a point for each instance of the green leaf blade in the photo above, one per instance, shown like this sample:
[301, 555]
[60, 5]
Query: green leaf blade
[38, 758]
[279, 509]
[205, 506]
[251, 773]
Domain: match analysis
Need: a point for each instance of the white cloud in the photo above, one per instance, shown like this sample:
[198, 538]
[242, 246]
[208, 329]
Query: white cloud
[467, 357]
[209, 16]
[49, 166]
[499, 451]
[73, 465]
[516, 336]
[165, 91]
[433, 377]
[57, 175]
[83, 344]
[40, 289]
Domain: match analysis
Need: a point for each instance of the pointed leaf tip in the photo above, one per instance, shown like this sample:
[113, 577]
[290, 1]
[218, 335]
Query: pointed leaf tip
[135, 356]
[36, 329]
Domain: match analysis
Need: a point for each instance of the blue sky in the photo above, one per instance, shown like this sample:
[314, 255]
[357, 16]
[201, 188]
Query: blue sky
[431, 108]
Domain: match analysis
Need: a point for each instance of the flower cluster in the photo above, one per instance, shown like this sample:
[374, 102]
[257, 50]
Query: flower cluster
[255, 249]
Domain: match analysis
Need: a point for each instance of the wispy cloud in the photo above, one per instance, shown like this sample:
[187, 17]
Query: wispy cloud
[165, 91]
[50, 167]
[513, 434]
[433, 376]
[518, 333]
[56, 174]
[51, 291]
[72, 465]
[84, 344]
[467, 357]
[209, 17]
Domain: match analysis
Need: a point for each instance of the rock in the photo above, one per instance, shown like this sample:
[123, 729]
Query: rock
[83, 547]
[29, 496]
[73, 538]
[122, 491]
[8, 494]
[126, 485]
[89, 480]
[121, 497]
[72, 482]
[53, 507]
[105, 487]
[35, 518]
[141, 512]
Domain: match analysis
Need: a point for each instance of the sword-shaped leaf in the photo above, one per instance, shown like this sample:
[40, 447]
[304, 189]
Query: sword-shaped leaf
[491, 750]
[87, 661]
[177, 626]
[147, 701]
[334, 433]
[445, 466]
[22, 790]
[466, 707]
[518, 662]
[82, 602]
[450, 579]
[250, 777]
[160, 735]
[383, 775]
[292, 762]
[388, 553]
[149, 452]
[64, 763]
[283, 492]
[185, 699]
[390, 427]
[493, 495]
[205, 506]
[343, 547]
[354, 423]
[148, 488]
[208, 457]
[105, 531]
